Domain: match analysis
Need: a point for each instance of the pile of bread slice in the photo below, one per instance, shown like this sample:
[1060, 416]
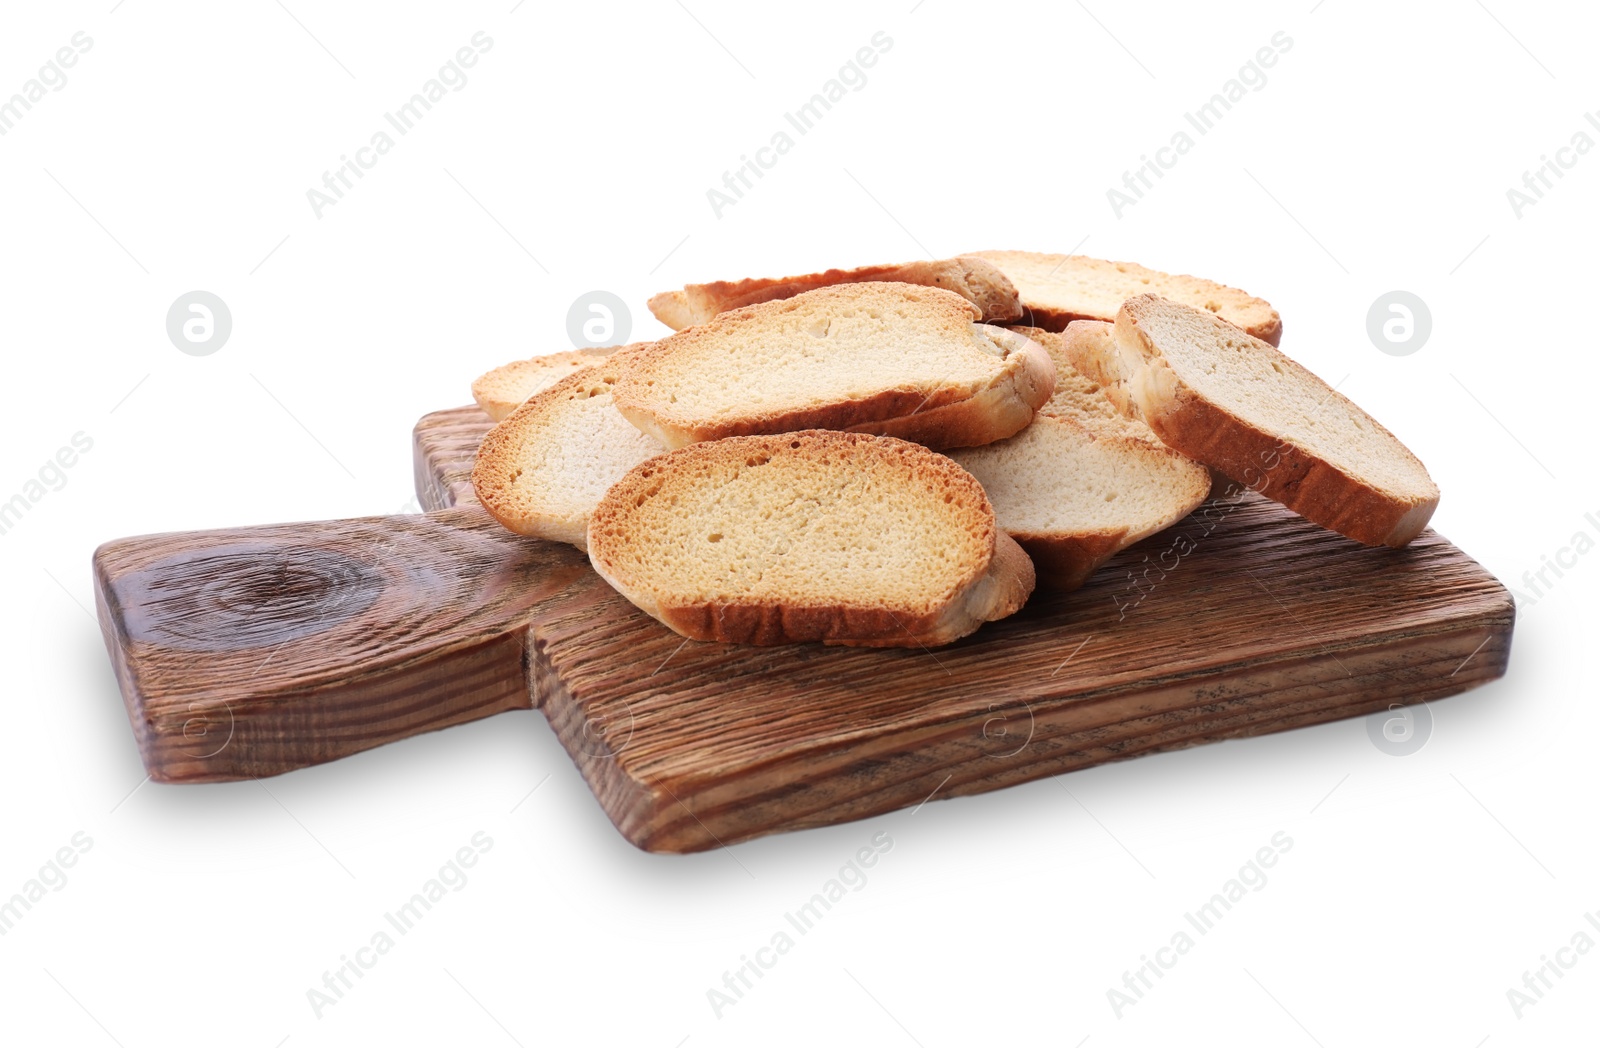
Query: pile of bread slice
[895, 455]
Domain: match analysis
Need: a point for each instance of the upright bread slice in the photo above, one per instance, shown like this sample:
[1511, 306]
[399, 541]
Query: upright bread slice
[817, 535]
[974, 279]
[543, 469]
[1058, 289]
[899, 360]
[1237, 404]
[1073, 496]
[502, 391]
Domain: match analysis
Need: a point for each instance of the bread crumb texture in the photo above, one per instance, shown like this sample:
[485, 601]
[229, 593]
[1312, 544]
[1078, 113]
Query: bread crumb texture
[543, 469]
[1059, 477]
[1267, 390]
[503, 390]
[821, 535]
[810, 517]
[838, 357]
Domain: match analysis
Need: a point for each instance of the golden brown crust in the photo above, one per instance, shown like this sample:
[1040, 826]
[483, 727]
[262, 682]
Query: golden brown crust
[1065, 558]
[1269, 331]
[946, 417]
[1002, 410]
[503, 390]
[975, 279]
[496, 468]
[997, 584]
[1089, 347]
[1252, 315]
[1286, 473]
[1265, 462]
[1065, 562]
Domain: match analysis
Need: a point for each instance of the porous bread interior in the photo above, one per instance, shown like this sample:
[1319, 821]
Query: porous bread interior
[1079, 395]
[1059, 477]
[1090, 346]
[1095, 287]
[807, 518]
[555, 457]
[1262, 387]
[502, 391]
[834, 344]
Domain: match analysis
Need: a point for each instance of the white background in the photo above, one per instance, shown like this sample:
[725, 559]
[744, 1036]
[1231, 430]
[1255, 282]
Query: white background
[1378, 155]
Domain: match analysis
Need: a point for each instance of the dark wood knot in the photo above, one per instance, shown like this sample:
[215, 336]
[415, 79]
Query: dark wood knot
[246, 596]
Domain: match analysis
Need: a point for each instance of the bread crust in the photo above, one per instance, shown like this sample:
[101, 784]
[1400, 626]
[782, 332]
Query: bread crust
[1265, 462]
[496, 392]
[1270, 332]
[977, 280]
[998, 584]
[1065, 557]
[496, 468]
[1090, 346]
[1065, 562]
[1250, 314]
[1002, 410]
[947, 417]
[1000, 593]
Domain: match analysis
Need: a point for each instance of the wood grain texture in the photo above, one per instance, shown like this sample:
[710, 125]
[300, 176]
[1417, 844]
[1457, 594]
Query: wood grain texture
[253, 651]
[324, 639]
[444, 445]
[1269, 623]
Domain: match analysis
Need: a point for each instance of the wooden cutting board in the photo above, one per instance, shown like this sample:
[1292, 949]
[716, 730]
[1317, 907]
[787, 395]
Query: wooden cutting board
[253, 651]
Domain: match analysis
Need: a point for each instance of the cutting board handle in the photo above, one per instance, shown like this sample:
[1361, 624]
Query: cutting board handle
[249, 652]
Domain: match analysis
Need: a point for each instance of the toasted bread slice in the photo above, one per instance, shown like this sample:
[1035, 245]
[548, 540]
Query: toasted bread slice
[1090, 347]
[974, 279]
[502, 391]
[1072, 496]
[845, 538]
[1239, 405]
[1084, 480]
[1058, 289]
[898, 360]
[543, 469]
